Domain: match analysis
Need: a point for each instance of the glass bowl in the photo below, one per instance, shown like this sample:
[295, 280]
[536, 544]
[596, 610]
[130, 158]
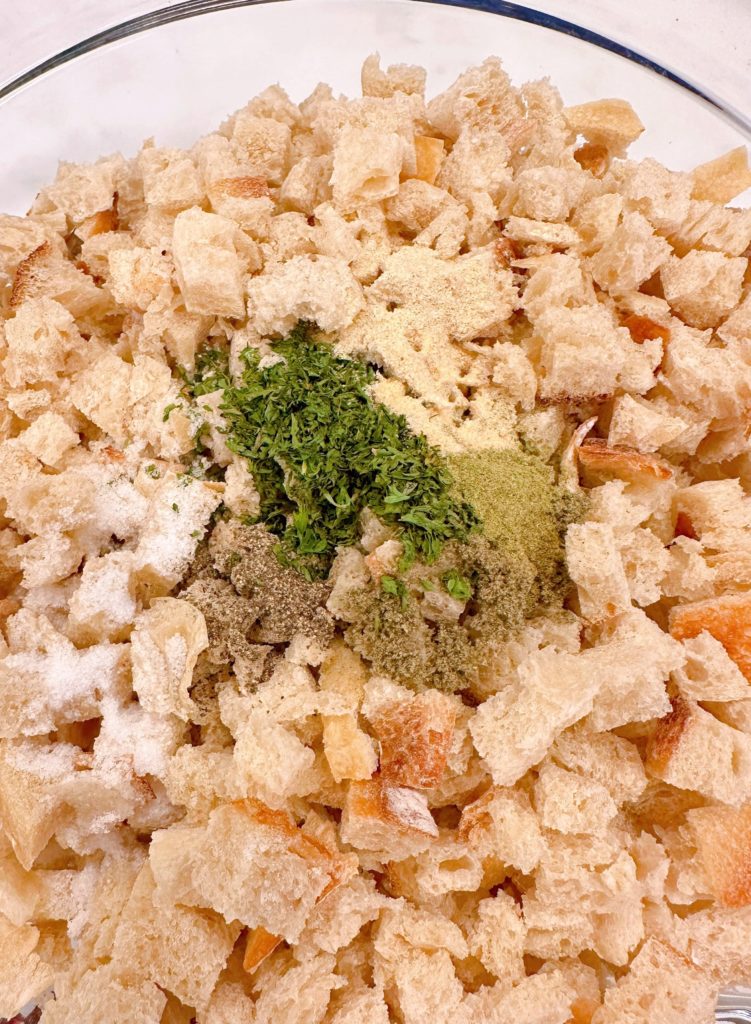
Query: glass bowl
[176, 73]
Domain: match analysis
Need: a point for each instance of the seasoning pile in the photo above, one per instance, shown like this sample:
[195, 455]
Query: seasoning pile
[374, 570]
[469, 547]
[321, 451]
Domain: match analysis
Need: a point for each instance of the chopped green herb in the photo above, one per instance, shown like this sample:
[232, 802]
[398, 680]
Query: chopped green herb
[199, 446]
[320, 451]
[200, 468]
[195, 534]
[152, 471]
[211, 373]
[168, 409]
[427, 584]
[396, 497]
[457, 585]
[220, 513]
[395, 588]
[175, 507]
[233, 559]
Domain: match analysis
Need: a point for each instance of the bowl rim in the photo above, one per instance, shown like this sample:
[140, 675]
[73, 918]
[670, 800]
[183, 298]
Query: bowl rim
[504, 8]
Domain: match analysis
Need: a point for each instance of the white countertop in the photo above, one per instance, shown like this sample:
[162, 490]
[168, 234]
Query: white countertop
[707, 41]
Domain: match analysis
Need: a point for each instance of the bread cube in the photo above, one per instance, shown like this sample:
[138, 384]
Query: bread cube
[178, 948]
[673, 988]
[208, 267]
[693, 750]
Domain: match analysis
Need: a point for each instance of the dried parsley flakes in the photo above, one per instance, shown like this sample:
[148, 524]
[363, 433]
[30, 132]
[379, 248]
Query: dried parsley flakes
[321, 451]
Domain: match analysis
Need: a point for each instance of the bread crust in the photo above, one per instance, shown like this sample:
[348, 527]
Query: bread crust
[727, 618]
[668, 735]
[26, 273]
[415, 738]
[599, 460]
[242, 188]
[259, 945]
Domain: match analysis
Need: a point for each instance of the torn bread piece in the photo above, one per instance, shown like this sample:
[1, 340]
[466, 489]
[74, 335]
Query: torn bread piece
[414, 738]
[722, 179]
[23, 976]
[610, 760]
[611, 123]
[725, 618]
[389, 820]
[101, 991]
[710, 674]
[223, 865]
[153, 940]
[501, 825]
[513, 730]
[692, 750]
[722, 841]
[350, 752]
[571, 803]
[667, 981]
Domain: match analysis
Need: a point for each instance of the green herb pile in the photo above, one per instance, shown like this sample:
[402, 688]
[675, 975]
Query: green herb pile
[320, 451]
